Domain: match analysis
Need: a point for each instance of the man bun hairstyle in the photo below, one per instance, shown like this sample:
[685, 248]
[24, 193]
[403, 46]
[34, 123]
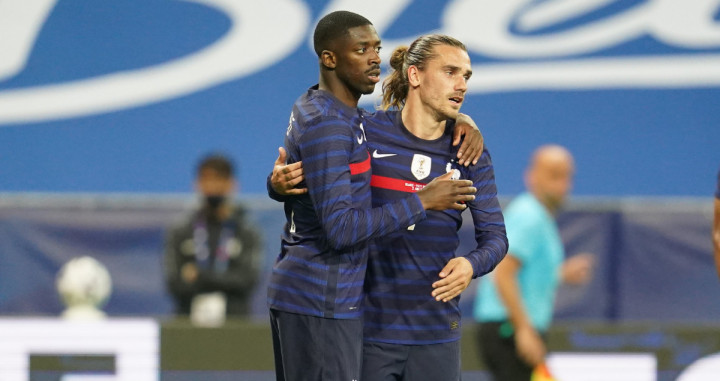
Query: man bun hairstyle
[335, 25]
[395, 86]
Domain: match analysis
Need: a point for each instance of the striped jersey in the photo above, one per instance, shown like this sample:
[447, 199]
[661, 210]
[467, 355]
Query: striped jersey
[324, 247]
[399, 307]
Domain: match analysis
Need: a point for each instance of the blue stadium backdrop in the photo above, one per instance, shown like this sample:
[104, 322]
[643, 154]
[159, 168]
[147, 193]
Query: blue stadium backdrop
[124, 96]
[106, 106]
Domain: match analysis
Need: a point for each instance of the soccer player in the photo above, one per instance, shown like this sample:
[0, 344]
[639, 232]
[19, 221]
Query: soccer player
[315, 289]
[412, 320]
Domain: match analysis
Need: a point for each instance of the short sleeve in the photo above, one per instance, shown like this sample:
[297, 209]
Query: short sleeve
[521, 234]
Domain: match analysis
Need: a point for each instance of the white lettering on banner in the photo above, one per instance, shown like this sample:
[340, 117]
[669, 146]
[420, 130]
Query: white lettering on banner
[624, 367]
[706, 368]
[483, 25]
[603, 366]
[238, 53]
[134, 344]
[19, 26]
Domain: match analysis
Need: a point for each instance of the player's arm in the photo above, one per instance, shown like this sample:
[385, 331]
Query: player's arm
[180, 278]
[490, 236]
[472, 145]
[528, 342]
[242, 272]
[577, 269]
[326, 150]
[284, 178]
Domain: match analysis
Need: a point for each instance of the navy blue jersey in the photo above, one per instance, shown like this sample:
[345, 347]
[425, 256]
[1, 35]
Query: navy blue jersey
[323, 259]
[403, 265]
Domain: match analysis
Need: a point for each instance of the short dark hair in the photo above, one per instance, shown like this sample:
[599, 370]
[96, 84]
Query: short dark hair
[334, 25]
[218, 163]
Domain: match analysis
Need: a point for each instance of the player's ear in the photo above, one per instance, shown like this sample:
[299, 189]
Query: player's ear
[413, 74]
[328, 59]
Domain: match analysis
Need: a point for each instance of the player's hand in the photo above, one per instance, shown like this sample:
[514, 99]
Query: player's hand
[444, 193]
[577, 270]
[529, 345]
[286, 177]
[455, 278]
[189, 273]
[472, 146]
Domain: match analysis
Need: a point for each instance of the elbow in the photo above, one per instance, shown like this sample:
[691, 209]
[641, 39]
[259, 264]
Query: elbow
[341, 235]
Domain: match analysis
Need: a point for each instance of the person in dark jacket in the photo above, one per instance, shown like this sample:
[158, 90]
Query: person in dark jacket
[214, 253]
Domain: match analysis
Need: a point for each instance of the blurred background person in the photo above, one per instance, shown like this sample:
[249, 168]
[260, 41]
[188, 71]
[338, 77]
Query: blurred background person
[514, 305]
[212, 256]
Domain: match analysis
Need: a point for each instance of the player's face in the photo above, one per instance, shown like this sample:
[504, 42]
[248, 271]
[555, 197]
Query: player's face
[211, 183]
[555, 182]
[358, 60]
[443, 82]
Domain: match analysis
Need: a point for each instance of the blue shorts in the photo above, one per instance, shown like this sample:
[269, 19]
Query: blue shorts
[310, 348]
[396, 362]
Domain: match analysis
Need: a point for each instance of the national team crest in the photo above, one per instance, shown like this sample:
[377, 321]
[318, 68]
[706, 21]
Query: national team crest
[421, 166]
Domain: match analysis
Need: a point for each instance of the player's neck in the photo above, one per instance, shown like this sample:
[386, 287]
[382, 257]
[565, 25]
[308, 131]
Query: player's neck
[333, 86]
[421, 121]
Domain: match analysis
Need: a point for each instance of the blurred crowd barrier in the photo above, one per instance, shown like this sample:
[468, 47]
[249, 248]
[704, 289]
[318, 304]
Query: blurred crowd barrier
[654, 259]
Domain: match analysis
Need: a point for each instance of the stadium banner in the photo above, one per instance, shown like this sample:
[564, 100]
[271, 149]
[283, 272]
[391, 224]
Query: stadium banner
[125, 96]
[653, 259]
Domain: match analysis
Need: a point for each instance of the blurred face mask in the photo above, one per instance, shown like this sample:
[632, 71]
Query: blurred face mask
[214, 201]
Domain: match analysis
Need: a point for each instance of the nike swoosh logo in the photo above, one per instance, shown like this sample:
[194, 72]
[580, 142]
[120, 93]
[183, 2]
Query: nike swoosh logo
[360, 139]
[381, 155]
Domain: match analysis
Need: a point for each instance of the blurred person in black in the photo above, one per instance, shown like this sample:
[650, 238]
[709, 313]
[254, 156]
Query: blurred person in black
[215, 250]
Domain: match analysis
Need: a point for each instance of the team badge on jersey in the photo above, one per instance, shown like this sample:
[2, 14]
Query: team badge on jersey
[421, 166]
[455, 172]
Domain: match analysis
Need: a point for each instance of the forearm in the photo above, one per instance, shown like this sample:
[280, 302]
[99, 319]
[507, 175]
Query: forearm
[242, 272]
[349, 226]
[491, 238]
[345, 219]
[490, 234]
[509, 292]
[172, 268]
[491, 249]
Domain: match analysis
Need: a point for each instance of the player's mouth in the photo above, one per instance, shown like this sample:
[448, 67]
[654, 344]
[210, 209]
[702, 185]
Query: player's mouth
[374, 76]
[456, 100]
